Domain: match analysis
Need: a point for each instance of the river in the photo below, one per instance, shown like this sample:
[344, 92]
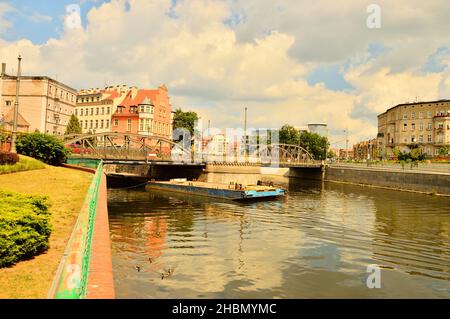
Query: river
[317, 242]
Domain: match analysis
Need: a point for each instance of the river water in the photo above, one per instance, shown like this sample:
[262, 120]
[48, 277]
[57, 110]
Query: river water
[317, 242]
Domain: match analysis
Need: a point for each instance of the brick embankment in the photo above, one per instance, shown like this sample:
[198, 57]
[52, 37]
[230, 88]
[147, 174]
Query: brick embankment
[100, 279]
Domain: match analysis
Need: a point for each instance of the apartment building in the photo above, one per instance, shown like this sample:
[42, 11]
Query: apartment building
[95, 107]
[424, 123]
[144, 112]
[44, 103]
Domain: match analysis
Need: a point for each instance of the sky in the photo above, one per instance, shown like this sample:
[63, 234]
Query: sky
[287, 61]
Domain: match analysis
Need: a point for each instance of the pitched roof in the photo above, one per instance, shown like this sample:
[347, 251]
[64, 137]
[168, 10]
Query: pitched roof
[9, 118]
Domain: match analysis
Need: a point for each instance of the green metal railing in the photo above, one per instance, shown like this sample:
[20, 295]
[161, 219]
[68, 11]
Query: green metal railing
[85, 162]
[71, 279]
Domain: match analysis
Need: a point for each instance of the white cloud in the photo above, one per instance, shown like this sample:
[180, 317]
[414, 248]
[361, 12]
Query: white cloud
[262, 63]
[4, 24]
[39, 18]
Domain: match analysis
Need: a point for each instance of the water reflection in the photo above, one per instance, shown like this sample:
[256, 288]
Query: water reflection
[316, 242]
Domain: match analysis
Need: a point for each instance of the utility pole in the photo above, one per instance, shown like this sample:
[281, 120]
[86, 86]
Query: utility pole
[245, 134]
[16, 109]
[346, 143]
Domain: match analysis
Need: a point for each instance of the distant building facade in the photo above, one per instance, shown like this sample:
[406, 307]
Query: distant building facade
[426, 124]
[366, 150]
[95, 107]
[44, 104]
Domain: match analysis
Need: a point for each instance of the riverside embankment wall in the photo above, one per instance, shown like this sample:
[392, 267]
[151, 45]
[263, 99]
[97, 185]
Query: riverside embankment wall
[427, 182]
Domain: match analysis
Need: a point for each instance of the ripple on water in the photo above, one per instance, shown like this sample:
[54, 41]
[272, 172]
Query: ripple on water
[317, 241]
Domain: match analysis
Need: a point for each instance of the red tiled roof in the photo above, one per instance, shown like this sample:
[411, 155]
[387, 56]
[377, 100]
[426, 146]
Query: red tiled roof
[138, 99]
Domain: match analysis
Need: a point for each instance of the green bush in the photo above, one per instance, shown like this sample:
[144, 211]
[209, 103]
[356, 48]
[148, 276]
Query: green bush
[44, 147]
[8, 158]
[24, 227]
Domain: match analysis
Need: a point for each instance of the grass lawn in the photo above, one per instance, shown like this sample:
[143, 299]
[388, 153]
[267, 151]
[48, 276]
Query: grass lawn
[66, 189]
[25, 163]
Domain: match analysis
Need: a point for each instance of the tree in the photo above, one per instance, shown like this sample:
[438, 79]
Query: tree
[315, 144]
[185, 120]
[443, 151]
[74, 126]
[288, 135]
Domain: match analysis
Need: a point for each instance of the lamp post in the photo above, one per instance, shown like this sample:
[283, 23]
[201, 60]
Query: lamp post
[16, 108]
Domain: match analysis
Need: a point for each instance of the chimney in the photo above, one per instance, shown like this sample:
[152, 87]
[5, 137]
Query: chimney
[3, 68]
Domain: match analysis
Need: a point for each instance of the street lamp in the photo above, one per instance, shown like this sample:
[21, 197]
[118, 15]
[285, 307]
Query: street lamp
[16, 108]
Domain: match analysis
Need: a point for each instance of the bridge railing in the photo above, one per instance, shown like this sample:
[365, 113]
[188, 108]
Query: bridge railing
[70, 281]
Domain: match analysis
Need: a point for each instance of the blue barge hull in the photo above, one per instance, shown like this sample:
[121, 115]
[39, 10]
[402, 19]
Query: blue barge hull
[219, 192]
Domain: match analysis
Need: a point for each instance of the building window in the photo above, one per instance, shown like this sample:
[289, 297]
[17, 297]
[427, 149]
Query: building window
[103, 110]
[8, 103]
[116, 122]
[430, 126]
[91, 124]
[429, 138]
[420, 138]
[101, 123]
[413, 139]
[81, 112]
[85, 124]
[96, 123]
[92, 111]
[129, 125]
[81, 124]
[413, 115]
[107, 110]
[413, 127]
[96, 111]
[405, 116]
[430, 115]
[50, 89]
[405, 126]
[420, 115]
[142, 109]
[98, 98]
[107, 123]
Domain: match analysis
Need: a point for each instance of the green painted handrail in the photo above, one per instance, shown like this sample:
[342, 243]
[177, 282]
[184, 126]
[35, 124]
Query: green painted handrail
[71, 279]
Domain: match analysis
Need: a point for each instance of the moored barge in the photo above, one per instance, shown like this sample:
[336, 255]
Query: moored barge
[230, 191]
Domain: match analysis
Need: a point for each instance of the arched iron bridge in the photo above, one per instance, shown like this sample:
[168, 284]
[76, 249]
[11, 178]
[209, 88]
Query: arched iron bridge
[129, 146]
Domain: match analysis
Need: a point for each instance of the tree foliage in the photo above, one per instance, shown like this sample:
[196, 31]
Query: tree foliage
[415, 154]
[315, 144]
[443, 151]
[44, 147]
[74, 126]
[289, 135]
[185, 120]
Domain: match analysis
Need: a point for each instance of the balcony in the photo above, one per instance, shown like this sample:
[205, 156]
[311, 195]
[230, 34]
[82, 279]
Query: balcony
[441, 115]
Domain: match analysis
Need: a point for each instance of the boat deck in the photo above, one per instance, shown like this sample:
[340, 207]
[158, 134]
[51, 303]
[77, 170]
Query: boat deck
[229, 191]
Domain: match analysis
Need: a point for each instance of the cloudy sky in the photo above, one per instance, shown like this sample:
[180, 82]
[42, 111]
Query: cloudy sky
[288, 61]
